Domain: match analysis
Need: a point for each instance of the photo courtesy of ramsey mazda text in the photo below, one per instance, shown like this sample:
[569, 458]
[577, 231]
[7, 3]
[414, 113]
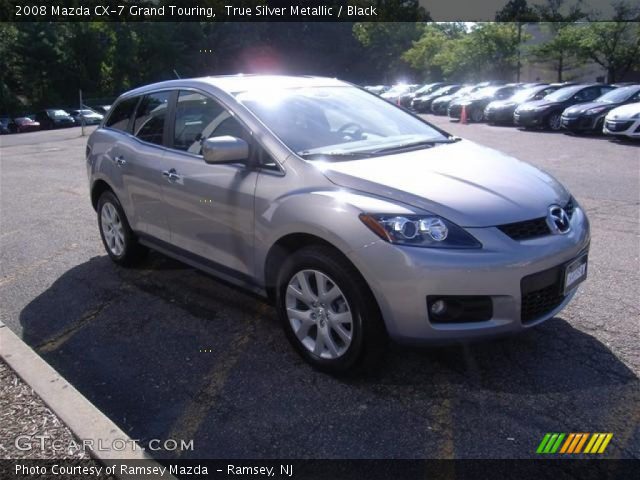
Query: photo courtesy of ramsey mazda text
[361, 221]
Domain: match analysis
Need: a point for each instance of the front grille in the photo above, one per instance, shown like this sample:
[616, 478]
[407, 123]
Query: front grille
[618, 126]
[525, 230]
[533, 228]
[541, 293]
[540, 302]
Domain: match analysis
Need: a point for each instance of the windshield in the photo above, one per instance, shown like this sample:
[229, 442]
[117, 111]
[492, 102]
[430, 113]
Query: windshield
[523, 95]
[619, 94]
[58, 113]
[398, 89]
[424, 89]
[464, 91]
[486, 92]
[442, 91]
[563, 94]
[336, 121]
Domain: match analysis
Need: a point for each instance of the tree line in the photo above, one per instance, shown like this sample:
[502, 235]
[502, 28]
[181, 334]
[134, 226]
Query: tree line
[46, 64]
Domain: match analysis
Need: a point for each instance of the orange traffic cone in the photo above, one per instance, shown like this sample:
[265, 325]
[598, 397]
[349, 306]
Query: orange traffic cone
[463, 115]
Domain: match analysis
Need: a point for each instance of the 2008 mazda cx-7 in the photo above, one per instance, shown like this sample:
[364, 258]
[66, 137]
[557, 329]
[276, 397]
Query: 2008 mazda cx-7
[359, 220]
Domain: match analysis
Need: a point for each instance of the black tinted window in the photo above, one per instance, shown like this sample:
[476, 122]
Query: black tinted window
[150, 117]
[199, 117]
[119, 118]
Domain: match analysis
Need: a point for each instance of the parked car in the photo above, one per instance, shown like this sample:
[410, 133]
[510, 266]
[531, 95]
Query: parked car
[394, 94]
[377, 224]
[501, 111]
[102, 109]
[23, 124]
[89, 117]
[4, 125]
[440, 105]
[54, 118]
[476, 103]
[623, 121]
[589, 117]
[547, 113]
[377, 89]
[423, 103]
[406, 99]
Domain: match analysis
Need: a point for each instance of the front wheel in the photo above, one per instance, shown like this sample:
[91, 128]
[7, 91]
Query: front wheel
[118, 239]
[477, 115]
[554, 122]
[328, 312]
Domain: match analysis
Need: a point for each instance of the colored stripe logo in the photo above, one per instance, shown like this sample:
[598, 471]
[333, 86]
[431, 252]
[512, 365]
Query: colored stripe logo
[572, 443]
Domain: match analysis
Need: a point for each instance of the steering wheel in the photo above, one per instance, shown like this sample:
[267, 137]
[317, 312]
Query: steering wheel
[352, 130]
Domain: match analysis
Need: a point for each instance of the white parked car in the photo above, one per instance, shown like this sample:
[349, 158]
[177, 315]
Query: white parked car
[623, 121]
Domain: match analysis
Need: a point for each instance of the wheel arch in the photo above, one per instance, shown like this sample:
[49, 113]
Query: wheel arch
[97, 189]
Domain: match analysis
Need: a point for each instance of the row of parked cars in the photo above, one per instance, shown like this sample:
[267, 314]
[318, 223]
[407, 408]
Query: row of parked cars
[613, 109]
[51, 118]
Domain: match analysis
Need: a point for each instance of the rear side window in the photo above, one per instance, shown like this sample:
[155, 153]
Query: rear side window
[150, 117]
[119, 118]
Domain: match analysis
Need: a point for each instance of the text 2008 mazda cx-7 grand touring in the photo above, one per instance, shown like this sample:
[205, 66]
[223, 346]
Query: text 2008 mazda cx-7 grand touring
[360, 220]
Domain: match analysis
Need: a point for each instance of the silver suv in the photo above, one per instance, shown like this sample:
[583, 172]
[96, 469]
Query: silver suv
[359, 220]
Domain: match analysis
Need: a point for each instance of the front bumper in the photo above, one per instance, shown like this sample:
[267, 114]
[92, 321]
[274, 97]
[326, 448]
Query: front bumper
[401, 278]
[582, 123]
[528, 118]
[500, 115]
[626, 128]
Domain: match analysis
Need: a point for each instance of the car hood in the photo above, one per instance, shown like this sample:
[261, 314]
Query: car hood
[583, 107]
[624, 111]
[533, 104]
[469, 184]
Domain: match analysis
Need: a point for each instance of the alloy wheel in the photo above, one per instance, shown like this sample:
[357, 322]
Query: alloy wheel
[112, 229]
[319, 314]
[555, 122]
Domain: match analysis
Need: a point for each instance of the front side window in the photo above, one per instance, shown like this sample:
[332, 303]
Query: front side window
[119, 118]
[150, 117]
[336, 121]
[199, 117]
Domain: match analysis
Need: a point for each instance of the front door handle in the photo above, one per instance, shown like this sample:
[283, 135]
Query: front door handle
[171, 175]
[120, 161]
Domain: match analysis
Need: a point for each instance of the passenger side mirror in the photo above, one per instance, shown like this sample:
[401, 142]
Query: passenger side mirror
[225, 149]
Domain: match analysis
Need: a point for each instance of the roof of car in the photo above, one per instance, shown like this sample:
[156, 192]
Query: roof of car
[240, 83]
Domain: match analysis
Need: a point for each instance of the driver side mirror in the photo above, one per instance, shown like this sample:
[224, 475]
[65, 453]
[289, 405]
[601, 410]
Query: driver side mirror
[225, 149]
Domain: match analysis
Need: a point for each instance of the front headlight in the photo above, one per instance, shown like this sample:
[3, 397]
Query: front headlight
[419, 231]
[594, 110]
[635, 115]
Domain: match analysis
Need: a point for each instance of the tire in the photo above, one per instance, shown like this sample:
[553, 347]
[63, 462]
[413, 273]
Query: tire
[476, 116]
[356, 341]
[553, 122]
[118, 239]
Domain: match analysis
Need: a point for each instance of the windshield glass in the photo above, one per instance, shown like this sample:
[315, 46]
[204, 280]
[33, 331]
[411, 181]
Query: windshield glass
[618, 95]
[464, 91]
[523, 95]
[424, 88]
[398, 89]
[563, 94]
[58, 113]
[485, 92]
[336, 121]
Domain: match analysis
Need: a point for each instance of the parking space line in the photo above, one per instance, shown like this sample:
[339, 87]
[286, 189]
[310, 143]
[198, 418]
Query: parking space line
[187, 425]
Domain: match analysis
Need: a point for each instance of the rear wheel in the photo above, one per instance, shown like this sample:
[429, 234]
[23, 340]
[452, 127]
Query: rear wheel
[118, 239]
[328, 312]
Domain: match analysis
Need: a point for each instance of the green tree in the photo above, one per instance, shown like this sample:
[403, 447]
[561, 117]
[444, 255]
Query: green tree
[561, 50]
[425, 53]
[613, 45]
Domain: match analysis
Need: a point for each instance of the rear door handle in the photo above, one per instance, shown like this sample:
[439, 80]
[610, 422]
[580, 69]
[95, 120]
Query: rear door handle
[171, 175]
[120, 161]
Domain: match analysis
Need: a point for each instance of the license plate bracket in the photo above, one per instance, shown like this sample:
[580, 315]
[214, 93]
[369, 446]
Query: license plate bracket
[575, 273]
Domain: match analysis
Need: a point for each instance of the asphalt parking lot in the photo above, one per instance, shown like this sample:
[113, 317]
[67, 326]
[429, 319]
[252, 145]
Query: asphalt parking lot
[168, 352]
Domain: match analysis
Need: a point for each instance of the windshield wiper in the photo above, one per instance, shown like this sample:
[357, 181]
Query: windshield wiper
[413, 145]
[318, 155]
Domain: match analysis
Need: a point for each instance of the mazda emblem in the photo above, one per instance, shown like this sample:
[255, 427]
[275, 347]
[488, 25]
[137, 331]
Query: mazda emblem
[558, 220]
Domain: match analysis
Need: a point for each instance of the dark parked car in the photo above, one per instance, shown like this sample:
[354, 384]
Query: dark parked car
[476, 103]
[88, 116]
[422, 103]
[440, 105]
[589, 117]
[54, 118]
[23, 124]
[4, 125]
[501, 111]
[547, 113]
[406, 99]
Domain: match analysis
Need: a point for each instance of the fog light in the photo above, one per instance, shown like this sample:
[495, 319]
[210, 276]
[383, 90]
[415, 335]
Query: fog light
[438, 307]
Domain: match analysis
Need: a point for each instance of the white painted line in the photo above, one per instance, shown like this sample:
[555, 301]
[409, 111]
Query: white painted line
[79, 414]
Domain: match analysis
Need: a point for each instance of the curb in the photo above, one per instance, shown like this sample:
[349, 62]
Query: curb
[78, 413]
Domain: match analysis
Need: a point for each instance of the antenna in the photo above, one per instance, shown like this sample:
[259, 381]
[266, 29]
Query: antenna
[176, 73]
